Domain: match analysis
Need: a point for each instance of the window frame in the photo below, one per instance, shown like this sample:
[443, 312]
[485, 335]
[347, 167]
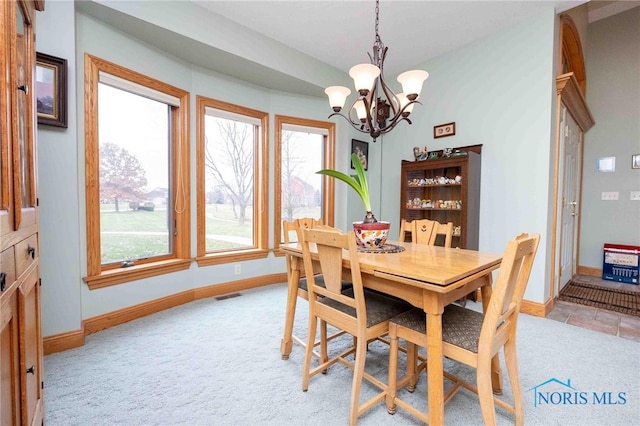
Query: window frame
[328, 184]
[99, 275]
[260, 186]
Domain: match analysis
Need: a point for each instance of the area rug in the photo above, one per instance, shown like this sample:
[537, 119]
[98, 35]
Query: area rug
[611, 299]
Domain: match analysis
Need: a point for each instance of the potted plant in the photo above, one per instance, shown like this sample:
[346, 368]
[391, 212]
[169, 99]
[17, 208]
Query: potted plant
[369, 232]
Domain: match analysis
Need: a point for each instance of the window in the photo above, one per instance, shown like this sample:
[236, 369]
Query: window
[232, 182]
[137, 175]
[302, 148]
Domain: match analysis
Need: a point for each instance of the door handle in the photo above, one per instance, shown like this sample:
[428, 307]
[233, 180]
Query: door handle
[3, 281]
[24, 88]
[31, 251]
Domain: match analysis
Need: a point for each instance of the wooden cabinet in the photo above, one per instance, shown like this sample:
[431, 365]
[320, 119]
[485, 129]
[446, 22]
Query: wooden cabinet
[446, 189]
[21, 387]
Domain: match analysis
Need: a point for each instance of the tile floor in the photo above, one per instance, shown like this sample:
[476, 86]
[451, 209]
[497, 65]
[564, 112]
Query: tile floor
[600, 320]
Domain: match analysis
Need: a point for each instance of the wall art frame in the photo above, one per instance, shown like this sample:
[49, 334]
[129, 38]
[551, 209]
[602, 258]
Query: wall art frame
[51, 90]
[444, 130]
[361, 149]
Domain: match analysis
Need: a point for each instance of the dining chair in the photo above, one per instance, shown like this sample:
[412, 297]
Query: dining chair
[363, 314]
[293, 228]
[421, 231]
[405, 226]
[442, 229]
[471, 337]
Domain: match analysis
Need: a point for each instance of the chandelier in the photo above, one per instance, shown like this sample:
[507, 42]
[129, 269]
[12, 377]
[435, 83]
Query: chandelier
[377, 108]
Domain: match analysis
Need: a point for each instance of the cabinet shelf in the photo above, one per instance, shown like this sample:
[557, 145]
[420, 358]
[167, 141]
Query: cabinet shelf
[433, 185]
[465, 170]
[431, 208]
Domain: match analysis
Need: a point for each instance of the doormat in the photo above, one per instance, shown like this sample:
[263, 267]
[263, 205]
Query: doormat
[626, 302]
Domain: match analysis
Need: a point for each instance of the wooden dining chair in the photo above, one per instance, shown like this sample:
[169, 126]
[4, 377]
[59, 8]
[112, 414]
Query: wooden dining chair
[421, 231]
[471, 337]
[442, 229]
[405, 226]
[291, 228]
[363, 314]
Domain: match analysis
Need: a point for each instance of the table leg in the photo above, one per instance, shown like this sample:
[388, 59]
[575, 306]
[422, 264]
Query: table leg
[496, 371]
[435, 380]
[286, 345]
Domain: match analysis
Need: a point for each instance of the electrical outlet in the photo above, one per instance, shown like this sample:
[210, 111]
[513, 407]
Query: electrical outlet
[610, 196]
[635, 196]
[237, 269]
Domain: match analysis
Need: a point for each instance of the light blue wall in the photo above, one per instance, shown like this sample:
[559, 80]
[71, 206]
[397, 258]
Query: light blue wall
[613, 94]
[66, 299]
[500, 93]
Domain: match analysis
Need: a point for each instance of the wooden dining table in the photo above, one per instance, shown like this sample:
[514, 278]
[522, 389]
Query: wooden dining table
[430, 278]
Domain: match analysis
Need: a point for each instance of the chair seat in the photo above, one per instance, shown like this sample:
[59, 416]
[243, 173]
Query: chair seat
[303, 285]
[460, 326]
[379, 308]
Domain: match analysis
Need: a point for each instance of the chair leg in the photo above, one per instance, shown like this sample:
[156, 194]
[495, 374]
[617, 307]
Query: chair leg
[485, 390]
[392, 385]
[358, 374]
[311, 338]
[512, 370]
[412, 366]
[323, 342]
[286, 345]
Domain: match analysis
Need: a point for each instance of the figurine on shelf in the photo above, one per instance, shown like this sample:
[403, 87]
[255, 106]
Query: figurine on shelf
[446, 152]
[433, 155]
[420, 154]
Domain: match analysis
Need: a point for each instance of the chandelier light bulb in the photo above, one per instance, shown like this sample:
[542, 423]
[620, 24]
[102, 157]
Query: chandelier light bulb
[402, 100]
[364, 77]
[361, 110]
[337, 96]
[412, 83]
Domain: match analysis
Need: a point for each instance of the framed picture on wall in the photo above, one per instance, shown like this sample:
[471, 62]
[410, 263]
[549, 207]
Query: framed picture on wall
[361, 149]
[51, 90]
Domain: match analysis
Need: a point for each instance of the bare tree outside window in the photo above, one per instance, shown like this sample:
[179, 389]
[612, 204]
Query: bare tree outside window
[301, 156]
[121, 175]
[229, 161]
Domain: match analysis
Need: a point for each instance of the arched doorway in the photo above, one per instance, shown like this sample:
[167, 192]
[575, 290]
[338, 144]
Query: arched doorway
[573, 120]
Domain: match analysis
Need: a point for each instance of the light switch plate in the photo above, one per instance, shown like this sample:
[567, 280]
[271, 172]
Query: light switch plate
[635, 196]
[610, 196]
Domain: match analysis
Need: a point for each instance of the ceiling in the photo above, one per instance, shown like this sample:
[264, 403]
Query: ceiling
[341, 33]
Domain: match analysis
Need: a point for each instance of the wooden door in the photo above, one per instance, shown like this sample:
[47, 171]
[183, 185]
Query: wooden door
[572, 154]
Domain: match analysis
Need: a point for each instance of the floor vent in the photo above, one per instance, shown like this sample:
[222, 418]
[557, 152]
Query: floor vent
[228, 296]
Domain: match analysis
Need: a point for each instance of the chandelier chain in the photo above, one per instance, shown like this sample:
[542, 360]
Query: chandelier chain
[377, 19]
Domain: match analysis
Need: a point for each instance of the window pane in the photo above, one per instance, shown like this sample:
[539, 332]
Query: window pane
[135, 207]
[229, 183]
[301, 188]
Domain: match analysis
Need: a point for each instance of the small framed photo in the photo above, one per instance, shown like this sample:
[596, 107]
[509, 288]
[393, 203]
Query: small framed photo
[635, 161]
[444, 130]
[51, 90]
[361, 149]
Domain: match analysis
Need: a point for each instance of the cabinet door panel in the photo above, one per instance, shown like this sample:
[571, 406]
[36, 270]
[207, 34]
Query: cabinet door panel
[9, 361]
[31, 348]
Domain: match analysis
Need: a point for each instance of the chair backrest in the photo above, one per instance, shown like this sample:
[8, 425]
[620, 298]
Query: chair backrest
[329, 244]
[295, 225]
[445, 229]
[421, 230]
[405, 226]
[501, 316]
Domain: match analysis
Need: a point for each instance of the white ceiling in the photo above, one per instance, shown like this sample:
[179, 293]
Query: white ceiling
[341, 33]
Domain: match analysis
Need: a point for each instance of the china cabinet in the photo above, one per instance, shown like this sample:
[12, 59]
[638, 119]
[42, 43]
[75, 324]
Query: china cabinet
[21, 388]
[445, 187]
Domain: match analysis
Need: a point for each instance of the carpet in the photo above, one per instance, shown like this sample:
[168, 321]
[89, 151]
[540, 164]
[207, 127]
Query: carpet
[611, 299]
[217, 363]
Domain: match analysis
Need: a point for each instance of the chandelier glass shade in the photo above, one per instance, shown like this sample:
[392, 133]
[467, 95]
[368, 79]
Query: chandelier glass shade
[377, 109]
